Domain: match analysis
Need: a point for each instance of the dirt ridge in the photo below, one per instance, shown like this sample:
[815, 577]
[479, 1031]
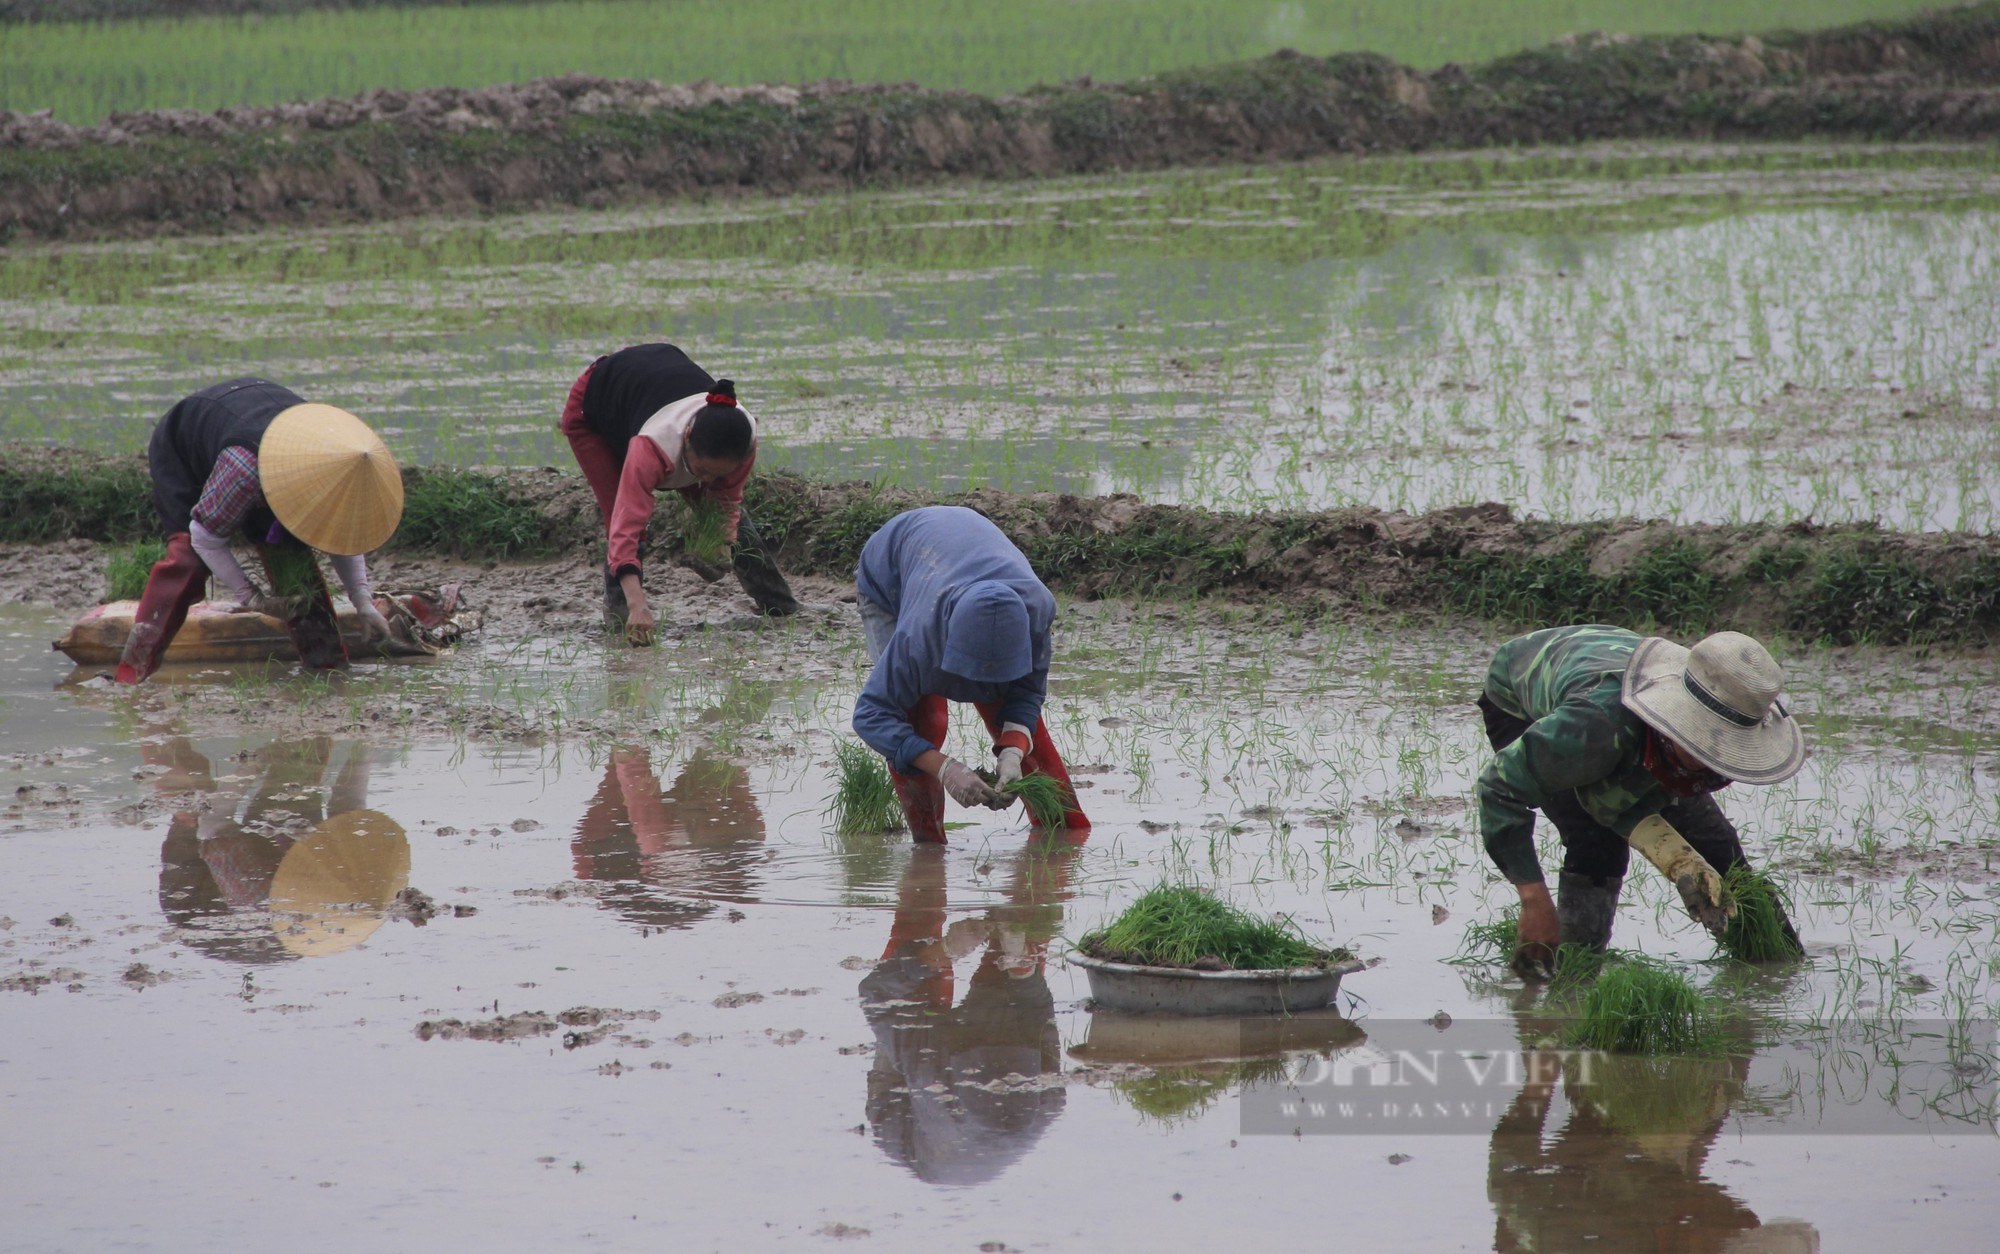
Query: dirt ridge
[1842, 583]
[588, 141]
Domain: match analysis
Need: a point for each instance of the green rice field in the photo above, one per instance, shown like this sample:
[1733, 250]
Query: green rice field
[86, 71]
[1693, 332]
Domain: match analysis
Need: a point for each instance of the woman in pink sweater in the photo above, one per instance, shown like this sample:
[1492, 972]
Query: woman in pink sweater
[647, 418]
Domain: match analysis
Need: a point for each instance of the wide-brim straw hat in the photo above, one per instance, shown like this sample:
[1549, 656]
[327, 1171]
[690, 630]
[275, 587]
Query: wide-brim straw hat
[334, 887]
[330, 479]
[1719, 702]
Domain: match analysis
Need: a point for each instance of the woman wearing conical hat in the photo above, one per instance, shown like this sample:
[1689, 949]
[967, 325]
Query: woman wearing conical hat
[1620, 741]
[253, 459]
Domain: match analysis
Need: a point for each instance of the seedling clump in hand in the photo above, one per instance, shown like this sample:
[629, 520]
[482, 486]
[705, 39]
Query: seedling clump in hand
[1179, 925]
[704, 533]
[1757, 932]
[1045, 798]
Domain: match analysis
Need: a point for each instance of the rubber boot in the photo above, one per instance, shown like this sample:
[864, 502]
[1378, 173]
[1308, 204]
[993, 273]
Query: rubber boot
[1586, 907]
[758, 575]
[293, 569]
[614, 602]
[923, 795]
[1045, 760]
[175, 583]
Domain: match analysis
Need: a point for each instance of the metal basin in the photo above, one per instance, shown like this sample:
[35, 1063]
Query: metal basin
[1178, 991]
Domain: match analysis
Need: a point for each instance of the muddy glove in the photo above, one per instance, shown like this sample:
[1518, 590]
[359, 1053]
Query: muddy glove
[1013, 745]
[374, 624]
[966, 788]
[1700, 887]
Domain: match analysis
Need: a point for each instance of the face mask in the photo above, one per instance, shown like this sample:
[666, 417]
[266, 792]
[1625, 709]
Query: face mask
[1681, 781]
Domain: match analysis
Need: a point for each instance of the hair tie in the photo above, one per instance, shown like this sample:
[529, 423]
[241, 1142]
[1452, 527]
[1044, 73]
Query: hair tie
[721, 398]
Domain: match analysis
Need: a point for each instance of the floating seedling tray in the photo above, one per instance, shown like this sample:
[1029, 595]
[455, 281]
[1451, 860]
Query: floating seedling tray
[1183, 991]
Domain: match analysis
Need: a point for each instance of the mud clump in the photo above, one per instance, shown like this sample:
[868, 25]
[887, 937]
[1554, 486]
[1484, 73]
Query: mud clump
[413, 906]
[577, 139]
[512, 1027]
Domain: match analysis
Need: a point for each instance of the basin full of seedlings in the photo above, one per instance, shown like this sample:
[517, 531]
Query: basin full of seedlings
[1181, 950]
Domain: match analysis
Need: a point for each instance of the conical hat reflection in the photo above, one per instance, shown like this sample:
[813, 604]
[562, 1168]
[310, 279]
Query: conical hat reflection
[333, 887]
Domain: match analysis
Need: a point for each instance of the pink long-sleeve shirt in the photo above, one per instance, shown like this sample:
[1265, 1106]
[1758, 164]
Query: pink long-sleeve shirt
[653, 462]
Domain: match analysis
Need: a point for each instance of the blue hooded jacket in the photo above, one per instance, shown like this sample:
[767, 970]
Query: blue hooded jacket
[965, 600]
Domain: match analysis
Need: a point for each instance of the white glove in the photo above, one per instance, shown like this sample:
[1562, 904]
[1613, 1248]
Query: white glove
[966, 788]
[1008, 767]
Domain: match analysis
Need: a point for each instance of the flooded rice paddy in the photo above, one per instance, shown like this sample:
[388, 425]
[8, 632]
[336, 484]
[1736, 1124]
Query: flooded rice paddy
[1702, 333]
[550, 942]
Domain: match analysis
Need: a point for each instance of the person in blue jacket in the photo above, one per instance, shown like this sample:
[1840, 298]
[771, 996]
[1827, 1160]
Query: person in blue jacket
[953, 612]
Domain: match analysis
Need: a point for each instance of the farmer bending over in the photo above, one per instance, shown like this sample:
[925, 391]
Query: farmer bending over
[647, 418]
[1619, 741]
[250, 457]
[953, 612]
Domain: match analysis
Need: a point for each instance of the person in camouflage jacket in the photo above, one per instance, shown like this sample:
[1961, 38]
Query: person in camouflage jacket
[1621, 740]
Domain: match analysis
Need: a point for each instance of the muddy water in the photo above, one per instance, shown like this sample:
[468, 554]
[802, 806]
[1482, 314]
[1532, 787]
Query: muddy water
[606, 978]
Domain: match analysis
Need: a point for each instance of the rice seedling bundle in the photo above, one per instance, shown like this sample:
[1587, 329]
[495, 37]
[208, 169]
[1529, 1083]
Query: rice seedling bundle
[1179, 925]
[864, 800]
[1640, 1007]
[1045, 798]
[704, 532]
[1758, 931]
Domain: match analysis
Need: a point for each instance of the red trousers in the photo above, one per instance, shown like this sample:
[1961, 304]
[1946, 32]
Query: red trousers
[179, 579]
[601, 467]
[923, 795]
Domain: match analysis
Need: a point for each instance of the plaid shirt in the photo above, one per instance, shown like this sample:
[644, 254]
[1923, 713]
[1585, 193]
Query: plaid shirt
[1567, 683]
[232, 491]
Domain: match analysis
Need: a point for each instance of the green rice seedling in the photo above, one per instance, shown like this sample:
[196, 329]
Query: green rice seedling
[1640, 1007]
[463, 514]
[1490, 940]
[1495, 940]
[704, 533]
[1757, 932]
[126, 572]
[294, 573]
[1045, 798]
[1180, 925]
[864, 801]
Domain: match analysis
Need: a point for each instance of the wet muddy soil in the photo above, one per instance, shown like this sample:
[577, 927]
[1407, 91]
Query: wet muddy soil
[650, 981]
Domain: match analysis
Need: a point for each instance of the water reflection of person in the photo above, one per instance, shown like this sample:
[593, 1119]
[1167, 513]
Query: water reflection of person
[700, 839]
[1624, 1171]
[222, 852]
[952, 1092]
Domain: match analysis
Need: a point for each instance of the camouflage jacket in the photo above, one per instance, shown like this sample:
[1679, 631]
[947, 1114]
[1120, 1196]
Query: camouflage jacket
[1565, 682]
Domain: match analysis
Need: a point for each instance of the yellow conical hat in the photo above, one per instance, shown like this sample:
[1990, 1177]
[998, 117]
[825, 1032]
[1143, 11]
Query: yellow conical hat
[332, 888]
[330, 479]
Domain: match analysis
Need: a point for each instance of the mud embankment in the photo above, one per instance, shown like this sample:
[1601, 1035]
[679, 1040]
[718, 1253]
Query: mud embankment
[1844, 584]
[586, 141]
